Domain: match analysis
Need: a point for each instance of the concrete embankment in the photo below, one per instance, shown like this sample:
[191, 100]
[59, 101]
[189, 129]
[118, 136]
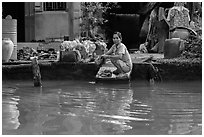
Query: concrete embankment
[87, 71]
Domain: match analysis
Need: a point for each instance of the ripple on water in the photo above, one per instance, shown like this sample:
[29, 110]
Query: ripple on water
[86, 108]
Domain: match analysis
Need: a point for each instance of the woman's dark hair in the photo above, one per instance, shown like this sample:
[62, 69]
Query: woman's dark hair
[119, 34]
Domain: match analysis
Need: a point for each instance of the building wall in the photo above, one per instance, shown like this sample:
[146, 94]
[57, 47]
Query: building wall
[51, 24]
[29, 21]
[77, 13]
[55, 24]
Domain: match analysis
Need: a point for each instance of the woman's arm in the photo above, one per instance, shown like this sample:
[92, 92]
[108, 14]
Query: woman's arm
[107, 54]
[118, 55]
[109, 51]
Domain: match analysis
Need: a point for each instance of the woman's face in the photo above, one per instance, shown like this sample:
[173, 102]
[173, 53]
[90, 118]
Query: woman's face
[116, 39]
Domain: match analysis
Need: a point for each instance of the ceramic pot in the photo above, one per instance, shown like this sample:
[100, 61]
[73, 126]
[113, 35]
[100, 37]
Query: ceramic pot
[173, 47]
[180, 33]
[7, 49]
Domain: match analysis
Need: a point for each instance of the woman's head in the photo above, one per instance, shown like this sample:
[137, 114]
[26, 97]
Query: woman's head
[117, 37]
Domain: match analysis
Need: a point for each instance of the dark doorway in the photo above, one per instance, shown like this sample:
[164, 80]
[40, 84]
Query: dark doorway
[17, 11]
[127, 24]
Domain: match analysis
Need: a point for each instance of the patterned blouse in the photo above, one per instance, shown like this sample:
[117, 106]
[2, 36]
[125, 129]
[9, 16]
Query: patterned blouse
[121, 49]
[178, 17]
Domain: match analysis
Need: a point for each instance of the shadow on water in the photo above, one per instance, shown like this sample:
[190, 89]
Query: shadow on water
[79, 107]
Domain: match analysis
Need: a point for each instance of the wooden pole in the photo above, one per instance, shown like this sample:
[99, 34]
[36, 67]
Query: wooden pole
[71, 20]
[36, 72]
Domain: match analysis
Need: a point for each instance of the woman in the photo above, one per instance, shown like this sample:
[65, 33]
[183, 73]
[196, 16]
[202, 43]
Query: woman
[119, 55]
[178, 16]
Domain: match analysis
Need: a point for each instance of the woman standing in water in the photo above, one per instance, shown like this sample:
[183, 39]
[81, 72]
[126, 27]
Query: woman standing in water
[119, 56]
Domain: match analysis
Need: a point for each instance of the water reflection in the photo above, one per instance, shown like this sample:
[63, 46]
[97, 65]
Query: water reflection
[10, 111]
[182, 109]
[70, 107]
[107, 105]
[116, 105]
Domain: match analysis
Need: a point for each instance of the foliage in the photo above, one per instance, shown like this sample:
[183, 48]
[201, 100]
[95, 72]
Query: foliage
[93, 14]
[191, 55]
[193, 48]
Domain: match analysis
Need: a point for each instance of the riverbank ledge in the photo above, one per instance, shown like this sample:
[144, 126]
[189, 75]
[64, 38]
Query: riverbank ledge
[54, 70]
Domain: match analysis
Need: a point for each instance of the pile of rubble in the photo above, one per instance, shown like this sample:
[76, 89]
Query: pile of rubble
[87, 50]
[26, 53]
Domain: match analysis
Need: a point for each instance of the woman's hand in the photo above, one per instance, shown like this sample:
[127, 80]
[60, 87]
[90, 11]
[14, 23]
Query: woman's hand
[105, 56]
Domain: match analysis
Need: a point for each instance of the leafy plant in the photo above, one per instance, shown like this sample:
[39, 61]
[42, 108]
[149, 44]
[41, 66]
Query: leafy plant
[93, 16]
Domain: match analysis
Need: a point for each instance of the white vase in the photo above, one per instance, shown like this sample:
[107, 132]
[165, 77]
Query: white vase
[7, 49]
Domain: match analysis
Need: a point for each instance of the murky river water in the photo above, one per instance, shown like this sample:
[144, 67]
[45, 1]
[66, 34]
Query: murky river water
[80, 107]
